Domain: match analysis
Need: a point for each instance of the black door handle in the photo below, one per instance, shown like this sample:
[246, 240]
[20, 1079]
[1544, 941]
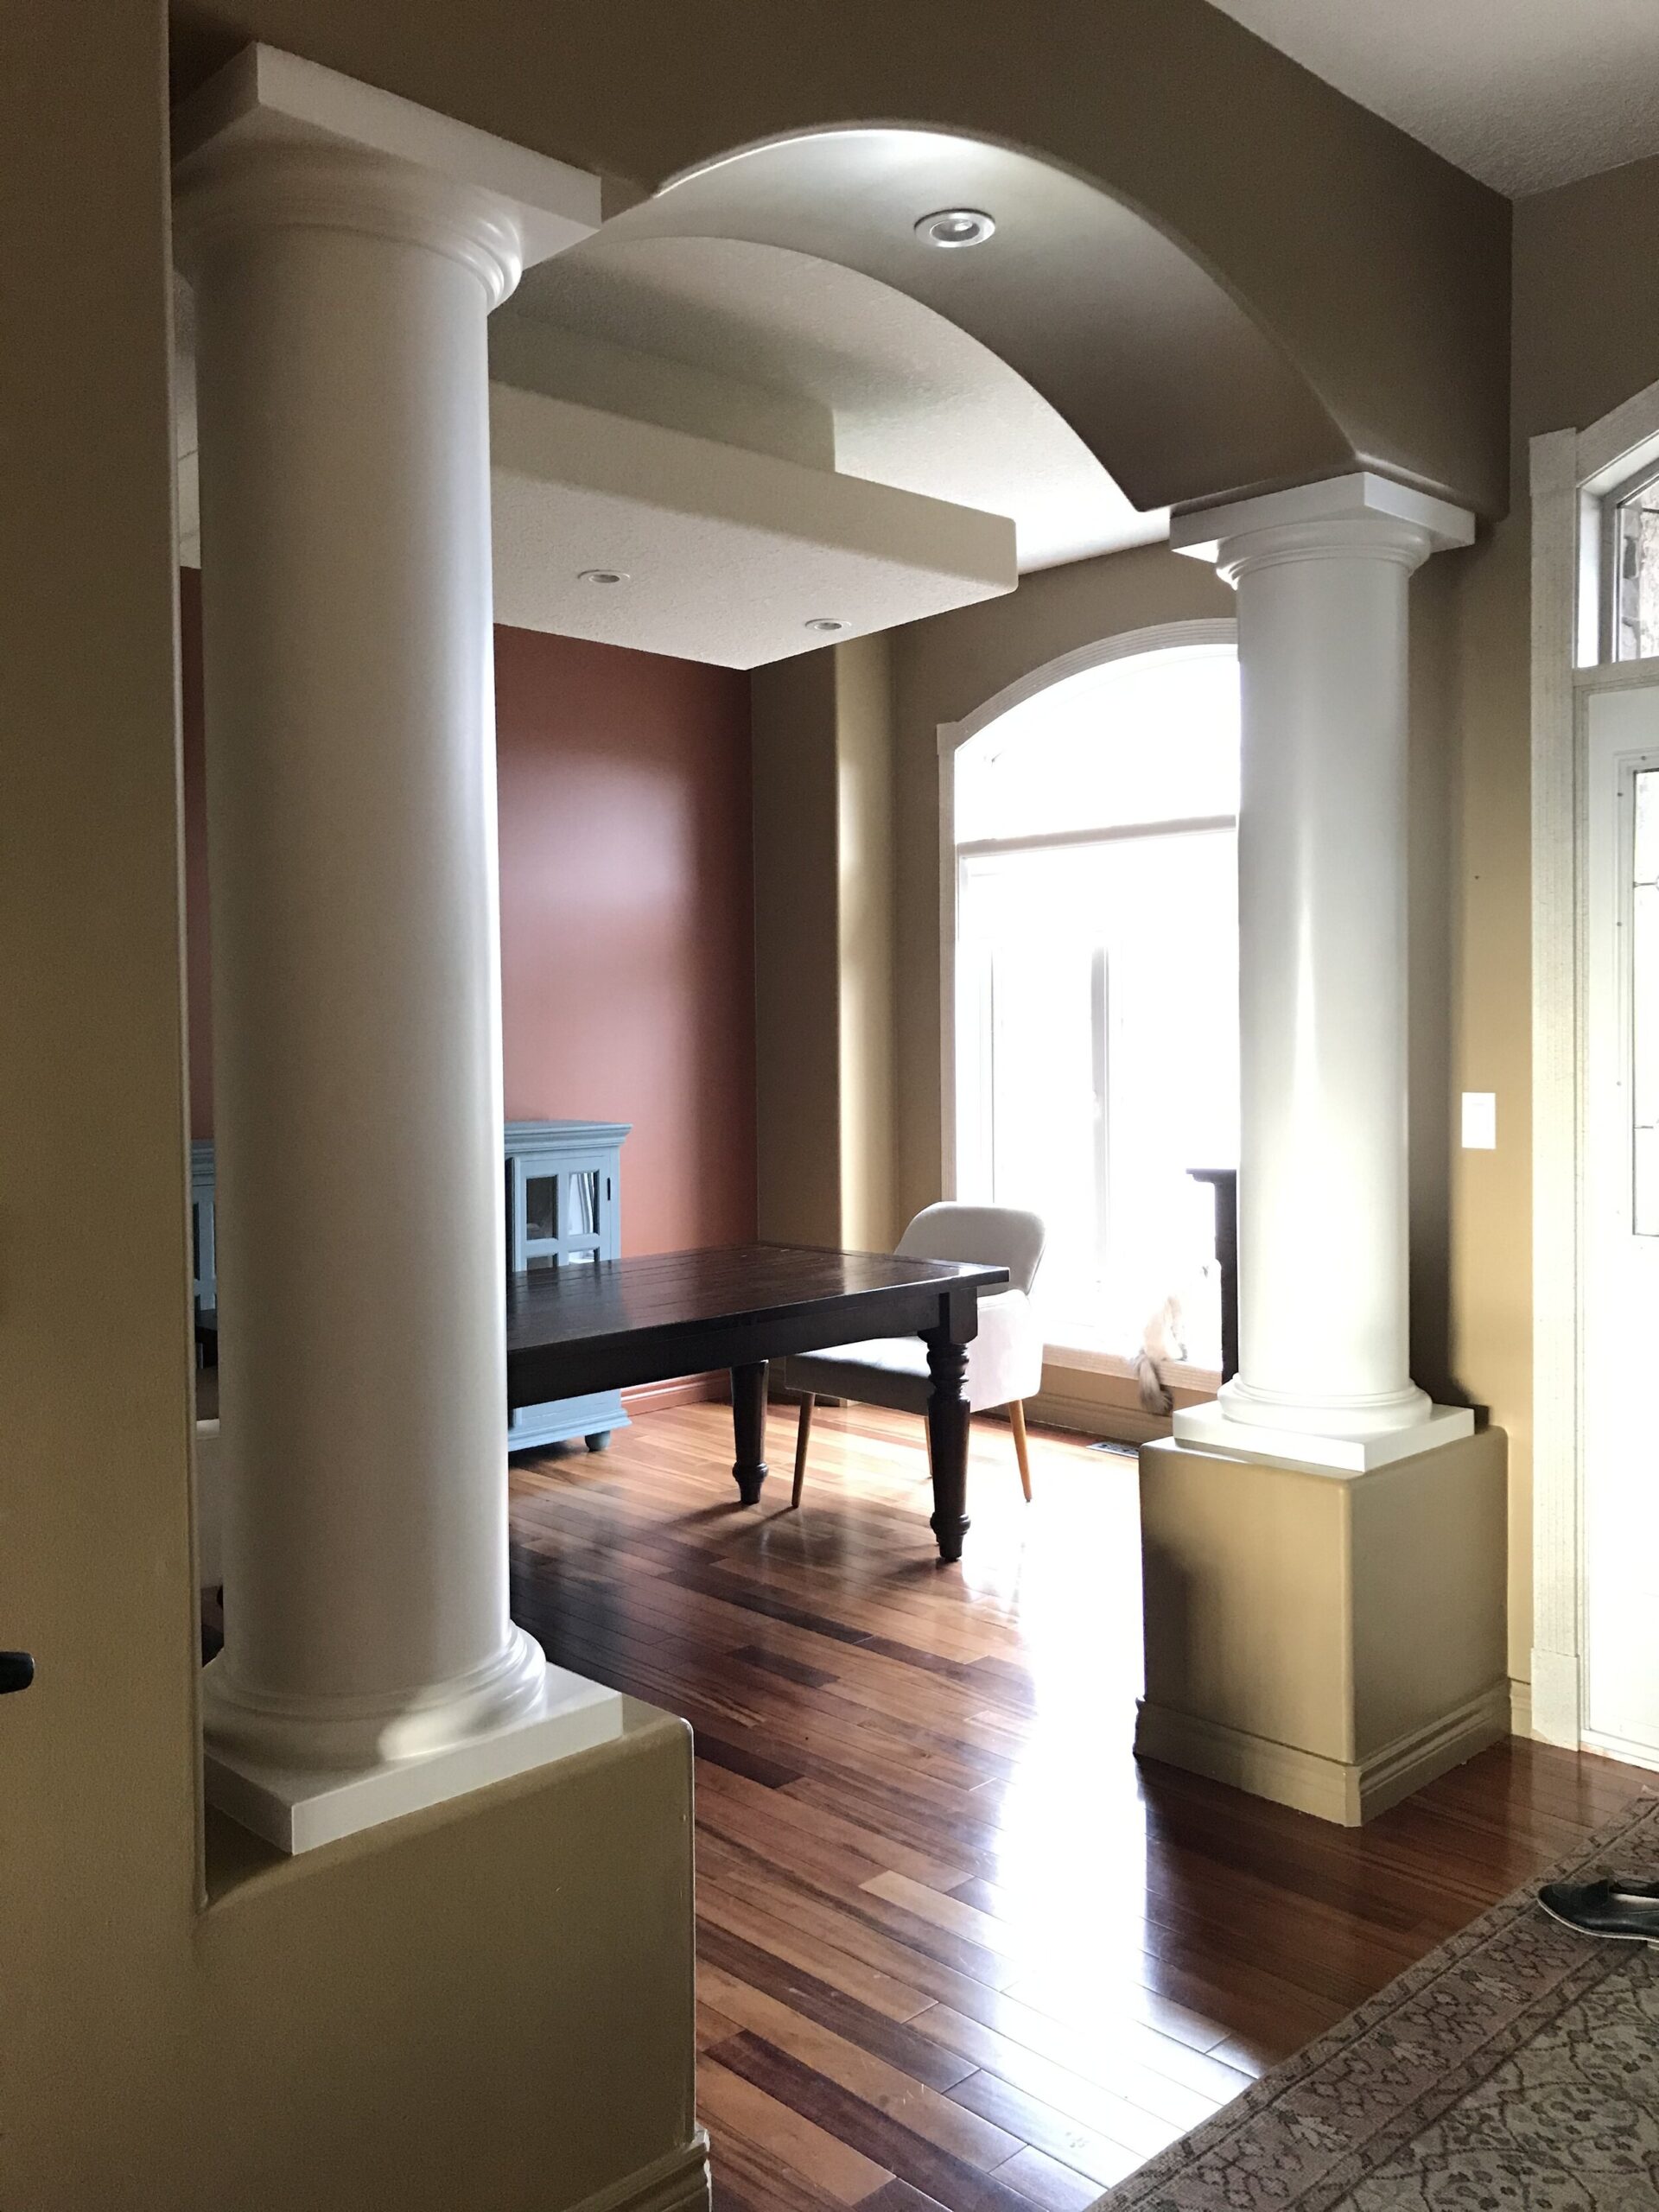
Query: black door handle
[16, 1671]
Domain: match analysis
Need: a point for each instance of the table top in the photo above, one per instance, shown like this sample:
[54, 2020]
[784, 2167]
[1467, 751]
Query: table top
[730, 1285]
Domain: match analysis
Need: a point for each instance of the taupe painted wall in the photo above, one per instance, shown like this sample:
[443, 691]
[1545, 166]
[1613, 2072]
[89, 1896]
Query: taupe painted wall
[489, 2005]
[793, 722]
[822, 734]
[864, 870]
[1380, 269]
[1585, 337]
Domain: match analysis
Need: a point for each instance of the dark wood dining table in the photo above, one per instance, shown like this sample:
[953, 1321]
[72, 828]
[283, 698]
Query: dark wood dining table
[616, 1323]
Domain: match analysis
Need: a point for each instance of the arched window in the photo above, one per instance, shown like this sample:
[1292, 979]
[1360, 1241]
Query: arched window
[1096, 979]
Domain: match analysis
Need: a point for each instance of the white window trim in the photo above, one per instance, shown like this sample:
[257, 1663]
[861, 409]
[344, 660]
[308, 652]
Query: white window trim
[1571, 473]
[1125, 645]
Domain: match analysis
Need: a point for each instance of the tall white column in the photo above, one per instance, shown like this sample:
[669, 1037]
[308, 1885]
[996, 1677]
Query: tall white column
[1322, 575]
[342, 292]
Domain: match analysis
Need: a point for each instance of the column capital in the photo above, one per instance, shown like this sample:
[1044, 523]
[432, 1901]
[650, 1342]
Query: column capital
[1339, 516]
[272, 140]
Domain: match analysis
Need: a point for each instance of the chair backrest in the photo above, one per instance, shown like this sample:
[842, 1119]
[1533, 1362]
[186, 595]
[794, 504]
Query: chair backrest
[995, 1237]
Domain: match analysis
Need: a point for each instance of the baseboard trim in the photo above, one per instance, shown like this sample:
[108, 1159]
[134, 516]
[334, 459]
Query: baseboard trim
[1556, 1710]
[1092, 1417]
[1347, 1792]
[683, 1390]
[1411, 1761]
[1520, 1709]
[678, 2182]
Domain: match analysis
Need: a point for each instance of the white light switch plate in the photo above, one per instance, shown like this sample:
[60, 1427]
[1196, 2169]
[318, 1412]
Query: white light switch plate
[1480, 1121]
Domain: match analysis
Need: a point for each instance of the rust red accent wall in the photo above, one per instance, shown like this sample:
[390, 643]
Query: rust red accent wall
[627, 968]
[627, 946]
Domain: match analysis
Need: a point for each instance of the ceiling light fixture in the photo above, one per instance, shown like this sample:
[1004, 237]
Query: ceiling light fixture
[601, 576]
[825, 622]
[952, 226]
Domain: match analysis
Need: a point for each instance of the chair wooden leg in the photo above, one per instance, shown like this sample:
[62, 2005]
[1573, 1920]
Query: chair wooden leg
[1017, 1423]
[802, 1435]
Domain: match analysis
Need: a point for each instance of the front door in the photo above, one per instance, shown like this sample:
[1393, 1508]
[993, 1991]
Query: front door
[1621, 1222]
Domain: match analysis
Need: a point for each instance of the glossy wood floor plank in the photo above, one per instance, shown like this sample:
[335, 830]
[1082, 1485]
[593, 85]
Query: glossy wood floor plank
[959, 1954]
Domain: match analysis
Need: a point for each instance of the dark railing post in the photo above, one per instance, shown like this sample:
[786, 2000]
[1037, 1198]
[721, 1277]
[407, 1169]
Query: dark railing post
[1223, 1181]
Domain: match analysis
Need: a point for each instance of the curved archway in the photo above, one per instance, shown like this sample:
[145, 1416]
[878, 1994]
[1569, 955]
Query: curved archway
[1175, 386]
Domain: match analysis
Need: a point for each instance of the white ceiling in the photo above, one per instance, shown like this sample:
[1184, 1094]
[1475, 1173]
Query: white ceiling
[916, 402]
[1524, 94]
[726, 555]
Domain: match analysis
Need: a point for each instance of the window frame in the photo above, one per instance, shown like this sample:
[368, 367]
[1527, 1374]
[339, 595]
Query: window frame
[1189, 634]
[1610, 504]
[1123, 644]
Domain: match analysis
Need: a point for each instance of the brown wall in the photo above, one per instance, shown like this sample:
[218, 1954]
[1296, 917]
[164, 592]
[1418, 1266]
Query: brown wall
[1585, 337]
[627, 944]
[823, 863]
[797, 949]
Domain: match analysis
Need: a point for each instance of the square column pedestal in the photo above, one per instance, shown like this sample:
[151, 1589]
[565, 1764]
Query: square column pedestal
[1330, 1640]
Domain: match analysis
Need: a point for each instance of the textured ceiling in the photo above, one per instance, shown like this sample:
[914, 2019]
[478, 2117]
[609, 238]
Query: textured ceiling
[1524, 94]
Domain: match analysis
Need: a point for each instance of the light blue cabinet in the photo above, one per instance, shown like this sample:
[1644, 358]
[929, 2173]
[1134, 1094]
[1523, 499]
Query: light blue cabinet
[564, 1186]
[563, 1192]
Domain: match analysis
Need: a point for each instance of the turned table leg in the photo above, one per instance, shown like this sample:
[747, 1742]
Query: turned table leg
[947, 1437]
[749, 1429]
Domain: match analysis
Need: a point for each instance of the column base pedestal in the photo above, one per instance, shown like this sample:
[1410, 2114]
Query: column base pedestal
[297, 1808]
[1329, 1639]
[1209, 1427]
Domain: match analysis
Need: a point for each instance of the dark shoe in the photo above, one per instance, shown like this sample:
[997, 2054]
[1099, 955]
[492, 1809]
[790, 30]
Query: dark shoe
[1620, 1906]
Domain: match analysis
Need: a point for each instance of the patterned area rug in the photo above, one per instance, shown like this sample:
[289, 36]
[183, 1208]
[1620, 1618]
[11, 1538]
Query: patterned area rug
[1514, 2069]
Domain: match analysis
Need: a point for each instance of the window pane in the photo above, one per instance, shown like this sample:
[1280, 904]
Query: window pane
[1150, 739]
[1112, 1070]
[1097, 988]
[1635, 553]
[581, 1201]
[542, 1207]
[1645, 853]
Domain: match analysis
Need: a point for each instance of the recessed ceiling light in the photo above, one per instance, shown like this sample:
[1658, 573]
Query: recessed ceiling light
[825, 622]
[601, 576]
[957, 226]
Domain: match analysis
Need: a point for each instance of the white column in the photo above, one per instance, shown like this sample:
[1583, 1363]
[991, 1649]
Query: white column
[341, 298]
[1322, 575]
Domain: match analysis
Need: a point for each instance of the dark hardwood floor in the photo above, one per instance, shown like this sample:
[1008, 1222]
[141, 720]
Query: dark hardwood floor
[957, 1949]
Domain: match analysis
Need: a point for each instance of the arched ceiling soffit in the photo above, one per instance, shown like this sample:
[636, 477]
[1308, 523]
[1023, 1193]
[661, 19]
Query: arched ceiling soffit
[1142, 351]
[903, 395]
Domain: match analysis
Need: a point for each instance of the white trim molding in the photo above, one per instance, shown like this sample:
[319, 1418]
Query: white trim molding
[1556, 958]
[1123, 644]
[1571, 472]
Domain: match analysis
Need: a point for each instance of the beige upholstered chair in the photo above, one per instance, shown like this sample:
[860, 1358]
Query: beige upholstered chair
[1005, 1360]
